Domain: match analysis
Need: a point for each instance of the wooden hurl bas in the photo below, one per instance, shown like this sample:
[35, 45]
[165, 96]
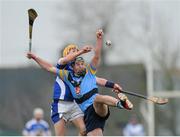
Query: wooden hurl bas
[156, 100]
[32, 16]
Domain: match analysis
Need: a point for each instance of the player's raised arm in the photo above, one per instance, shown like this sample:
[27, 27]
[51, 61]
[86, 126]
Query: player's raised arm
[74, 53]
[97, 56]
[42, 63]
[109, 84]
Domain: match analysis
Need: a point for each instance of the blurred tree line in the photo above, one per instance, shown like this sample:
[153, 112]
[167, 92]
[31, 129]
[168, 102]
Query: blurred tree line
[24, 89]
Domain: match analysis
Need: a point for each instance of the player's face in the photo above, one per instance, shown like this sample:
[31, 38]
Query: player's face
[72, 50]
[134, 121]
[79, 67]
[38, 116]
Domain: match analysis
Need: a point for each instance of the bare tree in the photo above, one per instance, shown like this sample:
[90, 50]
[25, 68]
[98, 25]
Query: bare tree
[165, 52]
[87, 16]
[156, 35]
[164, 46]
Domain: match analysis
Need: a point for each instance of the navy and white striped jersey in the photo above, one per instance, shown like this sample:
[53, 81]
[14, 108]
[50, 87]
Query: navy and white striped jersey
[61, 89]
[34, 128]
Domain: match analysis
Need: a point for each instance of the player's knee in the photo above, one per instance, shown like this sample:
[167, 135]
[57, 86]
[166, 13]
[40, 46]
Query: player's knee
[82, 131]
[99, 98]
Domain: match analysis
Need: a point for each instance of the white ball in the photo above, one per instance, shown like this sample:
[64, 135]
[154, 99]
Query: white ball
[108, 43]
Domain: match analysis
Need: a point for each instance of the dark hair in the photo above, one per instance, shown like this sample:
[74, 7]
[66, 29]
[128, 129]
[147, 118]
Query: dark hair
[77, 59]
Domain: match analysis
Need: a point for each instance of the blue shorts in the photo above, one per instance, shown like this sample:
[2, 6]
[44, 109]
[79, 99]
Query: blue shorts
[93, 120]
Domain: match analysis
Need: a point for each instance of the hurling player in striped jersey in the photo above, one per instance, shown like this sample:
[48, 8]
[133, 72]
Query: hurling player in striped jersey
[63, 107]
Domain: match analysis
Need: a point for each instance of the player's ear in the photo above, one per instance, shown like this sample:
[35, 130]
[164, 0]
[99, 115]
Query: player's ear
[73, 63]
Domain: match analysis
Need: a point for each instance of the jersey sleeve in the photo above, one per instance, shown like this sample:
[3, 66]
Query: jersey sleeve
[91, 69]
[59, 66]
[64, 66]
[62, 73]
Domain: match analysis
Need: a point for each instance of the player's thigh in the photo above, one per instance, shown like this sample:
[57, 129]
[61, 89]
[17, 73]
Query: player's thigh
[79, 123]
[58, 111]
[100, 108]
[60, 127]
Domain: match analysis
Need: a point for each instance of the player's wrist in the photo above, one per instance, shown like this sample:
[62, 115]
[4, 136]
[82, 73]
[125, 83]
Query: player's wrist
[109, 84]
[99, 37]
[34, 57]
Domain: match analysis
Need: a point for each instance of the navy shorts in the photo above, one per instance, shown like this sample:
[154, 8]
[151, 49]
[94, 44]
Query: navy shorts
[93, 120]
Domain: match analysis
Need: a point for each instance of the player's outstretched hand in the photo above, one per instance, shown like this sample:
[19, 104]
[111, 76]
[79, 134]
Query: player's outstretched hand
[99, 33]
[30, 55]
[117, 88]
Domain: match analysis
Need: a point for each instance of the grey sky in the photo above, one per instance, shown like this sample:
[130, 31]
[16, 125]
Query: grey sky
[14, 28]
[133, 50]
[46, 43]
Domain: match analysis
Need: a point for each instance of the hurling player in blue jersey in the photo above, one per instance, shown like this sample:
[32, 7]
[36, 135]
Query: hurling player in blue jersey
[82, 82]
[63, 108]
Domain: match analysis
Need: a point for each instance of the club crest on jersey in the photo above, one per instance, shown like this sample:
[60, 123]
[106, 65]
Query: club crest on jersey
[78, 91]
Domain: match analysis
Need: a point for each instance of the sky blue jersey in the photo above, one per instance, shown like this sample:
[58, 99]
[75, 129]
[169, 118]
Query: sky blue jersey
[88, 86]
